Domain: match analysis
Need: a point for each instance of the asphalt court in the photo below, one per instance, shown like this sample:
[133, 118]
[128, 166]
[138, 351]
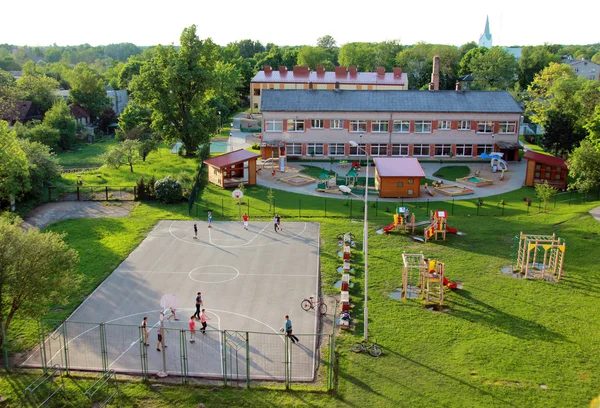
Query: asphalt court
[249, 279]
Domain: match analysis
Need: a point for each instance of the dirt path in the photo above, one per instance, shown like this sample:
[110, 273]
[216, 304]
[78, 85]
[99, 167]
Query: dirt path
[50, 213]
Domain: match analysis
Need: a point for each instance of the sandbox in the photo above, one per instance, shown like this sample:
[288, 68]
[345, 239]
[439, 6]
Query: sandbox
[454, 190]
[475, 181]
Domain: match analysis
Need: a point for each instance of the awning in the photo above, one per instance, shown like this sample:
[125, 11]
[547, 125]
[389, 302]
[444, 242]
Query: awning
[509, 146]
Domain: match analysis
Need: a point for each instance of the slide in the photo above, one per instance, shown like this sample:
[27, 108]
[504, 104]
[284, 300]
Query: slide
[452, 285]
[451, 230]
[429, 190]
[502, 165]
[389, 227]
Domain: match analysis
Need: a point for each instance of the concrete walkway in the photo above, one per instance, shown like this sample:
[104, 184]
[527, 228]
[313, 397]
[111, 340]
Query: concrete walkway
[50, 213]
[595, 212]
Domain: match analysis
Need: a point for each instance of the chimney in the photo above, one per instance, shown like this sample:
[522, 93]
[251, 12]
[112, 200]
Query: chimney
[301, 70]
[340, 71]
[310, 86]
[380, 71]
[282, 70]
[320, 70]
[352, 71]
[458, 88]
[268, 70]
[431, 86]
[337, 86]
[397, 72]
[435, 75]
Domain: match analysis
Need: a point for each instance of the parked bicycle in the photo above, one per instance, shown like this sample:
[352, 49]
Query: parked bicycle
[318, 304]
[373, 349]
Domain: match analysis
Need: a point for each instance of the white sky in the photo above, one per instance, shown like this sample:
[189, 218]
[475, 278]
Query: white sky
[150, 22]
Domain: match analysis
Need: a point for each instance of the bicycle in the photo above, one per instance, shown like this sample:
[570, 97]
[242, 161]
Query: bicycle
[373, 349]
[309, 303]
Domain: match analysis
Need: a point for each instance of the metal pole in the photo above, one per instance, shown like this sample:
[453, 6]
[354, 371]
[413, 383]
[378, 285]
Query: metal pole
[163, 373]
[247, 360]
[366, 250]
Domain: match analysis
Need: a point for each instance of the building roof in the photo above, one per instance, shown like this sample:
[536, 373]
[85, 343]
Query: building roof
[78, 112]
[398, 167]
[329, 77]
[388, 101]
[581, 61]
[230, 158]
[545, 159]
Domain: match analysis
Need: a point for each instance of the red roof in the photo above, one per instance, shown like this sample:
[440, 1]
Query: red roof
[545, 159]
[78, 112]
[231, 158]
[398, 167]
[329, 77]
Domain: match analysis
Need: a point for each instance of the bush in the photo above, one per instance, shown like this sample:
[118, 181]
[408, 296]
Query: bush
[168, 190]
[255, 146]
[150, 191]
[142, 191]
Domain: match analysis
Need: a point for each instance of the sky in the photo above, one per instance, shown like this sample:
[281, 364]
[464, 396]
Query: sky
[302, 22]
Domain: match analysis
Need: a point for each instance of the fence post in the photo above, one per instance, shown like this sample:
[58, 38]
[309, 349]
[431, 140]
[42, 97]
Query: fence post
[143, 354]
[452, 206]
[106, 193]
[502, 206]
[248, 206]
[477, 205]
[325, 207]
[376, 206]
[103, 352]
[287, 363]
[273, 206]
[65, 345]
[427, 210]
[299, 208]
[247, 360]
[43, 341]
[224, 357]
[350, 207]
[222, 208]
[555, 200]
[78, 193]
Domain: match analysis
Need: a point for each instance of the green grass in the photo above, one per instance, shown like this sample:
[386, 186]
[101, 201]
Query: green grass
[452, 172]
[85, 155]
[497, 343]
[531, 146]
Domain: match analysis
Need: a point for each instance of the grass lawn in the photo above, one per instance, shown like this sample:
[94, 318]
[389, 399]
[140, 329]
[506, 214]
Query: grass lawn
[452, 172]
[499, 342]
[86, 154]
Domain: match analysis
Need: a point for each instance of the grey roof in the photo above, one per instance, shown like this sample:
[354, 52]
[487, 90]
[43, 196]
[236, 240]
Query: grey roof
[388, 101]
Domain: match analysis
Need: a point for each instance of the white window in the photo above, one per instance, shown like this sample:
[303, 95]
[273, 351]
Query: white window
[358, 126]
[485, 127]
[295, 125]
[379, 126]
[401, 126]
[442, 150]
[410, 192]
[507, 127]
[421, 150]
[423, 126]
[399, 150]
[464, 125]
[484, 149]
[274, 126]
[293, 149]
[464, 150]
[336, 149]
[379, 150]
[443, 125]
[317, 124]
[314, 149]
[336, 124]
[358, 150]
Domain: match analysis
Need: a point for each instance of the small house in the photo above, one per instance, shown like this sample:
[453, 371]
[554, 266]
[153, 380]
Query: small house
[398, 177]
[233, 168]
[543, 167]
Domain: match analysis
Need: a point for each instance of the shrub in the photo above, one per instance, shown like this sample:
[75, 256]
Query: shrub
[168, 190]
[142, 192]
[150, 191]
[255, 146]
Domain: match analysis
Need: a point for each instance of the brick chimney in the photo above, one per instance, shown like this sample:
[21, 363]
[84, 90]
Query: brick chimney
[435, 75]
[268, 70]
[282, 70]
[301, 70]
[341, 71]
[397, 72]
[380, 71]
[320, 70]
[352, 71]
[337, 86]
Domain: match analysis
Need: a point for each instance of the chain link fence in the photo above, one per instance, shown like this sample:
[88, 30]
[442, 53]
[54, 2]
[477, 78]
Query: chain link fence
[89, 193]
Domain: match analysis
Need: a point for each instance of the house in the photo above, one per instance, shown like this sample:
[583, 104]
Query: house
[421, 124]
[20, 111]
[584, 68]
[118, 98]
[302, 78]
[543, 167]
[81, 115]
[231, 169]
[398, 177]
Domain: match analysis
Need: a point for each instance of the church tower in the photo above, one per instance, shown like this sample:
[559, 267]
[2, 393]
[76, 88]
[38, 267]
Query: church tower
[486, 38]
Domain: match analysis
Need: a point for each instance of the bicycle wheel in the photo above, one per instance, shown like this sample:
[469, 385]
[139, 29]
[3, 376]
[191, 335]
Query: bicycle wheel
[306, 305]
[375, 350]
[357, 347]
[323, 308]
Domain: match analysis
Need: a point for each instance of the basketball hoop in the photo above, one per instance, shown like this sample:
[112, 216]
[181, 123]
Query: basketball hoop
[237, 194]
[168, 301]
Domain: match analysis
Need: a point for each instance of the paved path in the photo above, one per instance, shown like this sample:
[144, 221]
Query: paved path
[595, 212]
[50, 213]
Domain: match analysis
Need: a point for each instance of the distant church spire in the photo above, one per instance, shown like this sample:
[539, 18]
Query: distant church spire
[486, 38]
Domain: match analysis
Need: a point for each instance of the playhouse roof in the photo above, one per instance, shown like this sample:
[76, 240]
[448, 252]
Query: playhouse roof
[545, 159]
[398, 167]
[231, 158]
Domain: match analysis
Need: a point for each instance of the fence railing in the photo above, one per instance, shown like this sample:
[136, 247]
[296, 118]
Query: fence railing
[89, 193]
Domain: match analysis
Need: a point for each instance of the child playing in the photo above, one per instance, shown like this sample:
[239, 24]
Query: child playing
[203, 319]
[192, 325]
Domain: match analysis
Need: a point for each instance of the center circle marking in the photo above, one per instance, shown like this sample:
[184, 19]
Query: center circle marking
[194, 271]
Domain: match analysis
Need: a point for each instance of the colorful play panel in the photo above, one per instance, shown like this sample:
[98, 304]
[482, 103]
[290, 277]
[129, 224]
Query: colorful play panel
[475, 181]
[454, 190]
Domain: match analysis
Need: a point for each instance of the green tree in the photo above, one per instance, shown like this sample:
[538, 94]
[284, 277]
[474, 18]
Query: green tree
[126, 152]
[593, 126]
[326, 42]
[40, 90]
[492, 69]
[358, 54]
[43, 164]
[417, 62]
[248, 48]
[8, 96]
[562, 134]
[35, 131]
[312, 56]
[128, 71]
[584, 167]
[174, 86]
[539, 97]
[14, 167]
[228, 82]
[36, 269]
[88, 90]
[545, 193]
[59, 117]
[533, 60]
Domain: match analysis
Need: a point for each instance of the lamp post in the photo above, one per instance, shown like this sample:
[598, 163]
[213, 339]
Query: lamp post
[348, 190]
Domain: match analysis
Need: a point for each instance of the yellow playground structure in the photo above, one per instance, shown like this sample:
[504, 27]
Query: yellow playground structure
[540, 256]
[424, 278]
[434, 227]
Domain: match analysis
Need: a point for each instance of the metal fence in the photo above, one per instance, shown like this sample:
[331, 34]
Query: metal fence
[234, 357]
[89, 193]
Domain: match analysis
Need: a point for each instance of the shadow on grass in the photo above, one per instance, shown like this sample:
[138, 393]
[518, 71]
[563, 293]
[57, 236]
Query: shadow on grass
[481, 313]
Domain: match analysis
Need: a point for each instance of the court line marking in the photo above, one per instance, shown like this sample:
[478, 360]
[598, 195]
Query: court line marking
[214, 273]
[217, 273]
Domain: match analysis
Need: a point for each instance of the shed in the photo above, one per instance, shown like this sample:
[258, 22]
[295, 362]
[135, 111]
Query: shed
[231, 169]
[543, 167]
[398, 177]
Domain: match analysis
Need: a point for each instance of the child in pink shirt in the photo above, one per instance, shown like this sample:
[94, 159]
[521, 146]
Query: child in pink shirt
[203, 318]
[192, 330]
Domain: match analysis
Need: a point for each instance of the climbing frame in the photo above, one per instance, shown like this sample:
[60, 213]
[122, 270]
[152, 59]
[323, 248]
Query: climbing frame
[541, 256]
[423, 279]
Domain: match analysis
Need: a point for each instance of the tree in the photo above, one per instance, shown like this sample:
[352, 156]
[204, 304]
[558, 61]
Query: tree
[128, 71]
[545, 193]
[174, 86]
[584, 167]
[562, 134]
[593, 126]
[539, 97]
[36, 269]
[358, 54]
[121, 51]
[312, 56]
[88, 90]
[59, 117]
[8, 96]
[533, 60]
[492, 69]
[228, 80]
[108, 117]
[326, 41]
[248, 48]
[36, 131]
[417, 62]
[126, 152]
[43, 164]
[14, 168]
[39, 89]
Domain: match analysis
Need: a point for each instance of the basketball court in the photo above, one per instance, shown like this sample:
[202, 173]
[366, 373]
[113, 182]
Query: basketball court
[249, 280]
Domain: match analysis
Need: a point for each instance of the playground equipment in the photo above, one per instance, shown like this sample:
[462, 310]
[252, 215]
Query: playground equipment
[436, 225]
[496, 161]
[428, 189]
[530, 248]
[424, 278]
